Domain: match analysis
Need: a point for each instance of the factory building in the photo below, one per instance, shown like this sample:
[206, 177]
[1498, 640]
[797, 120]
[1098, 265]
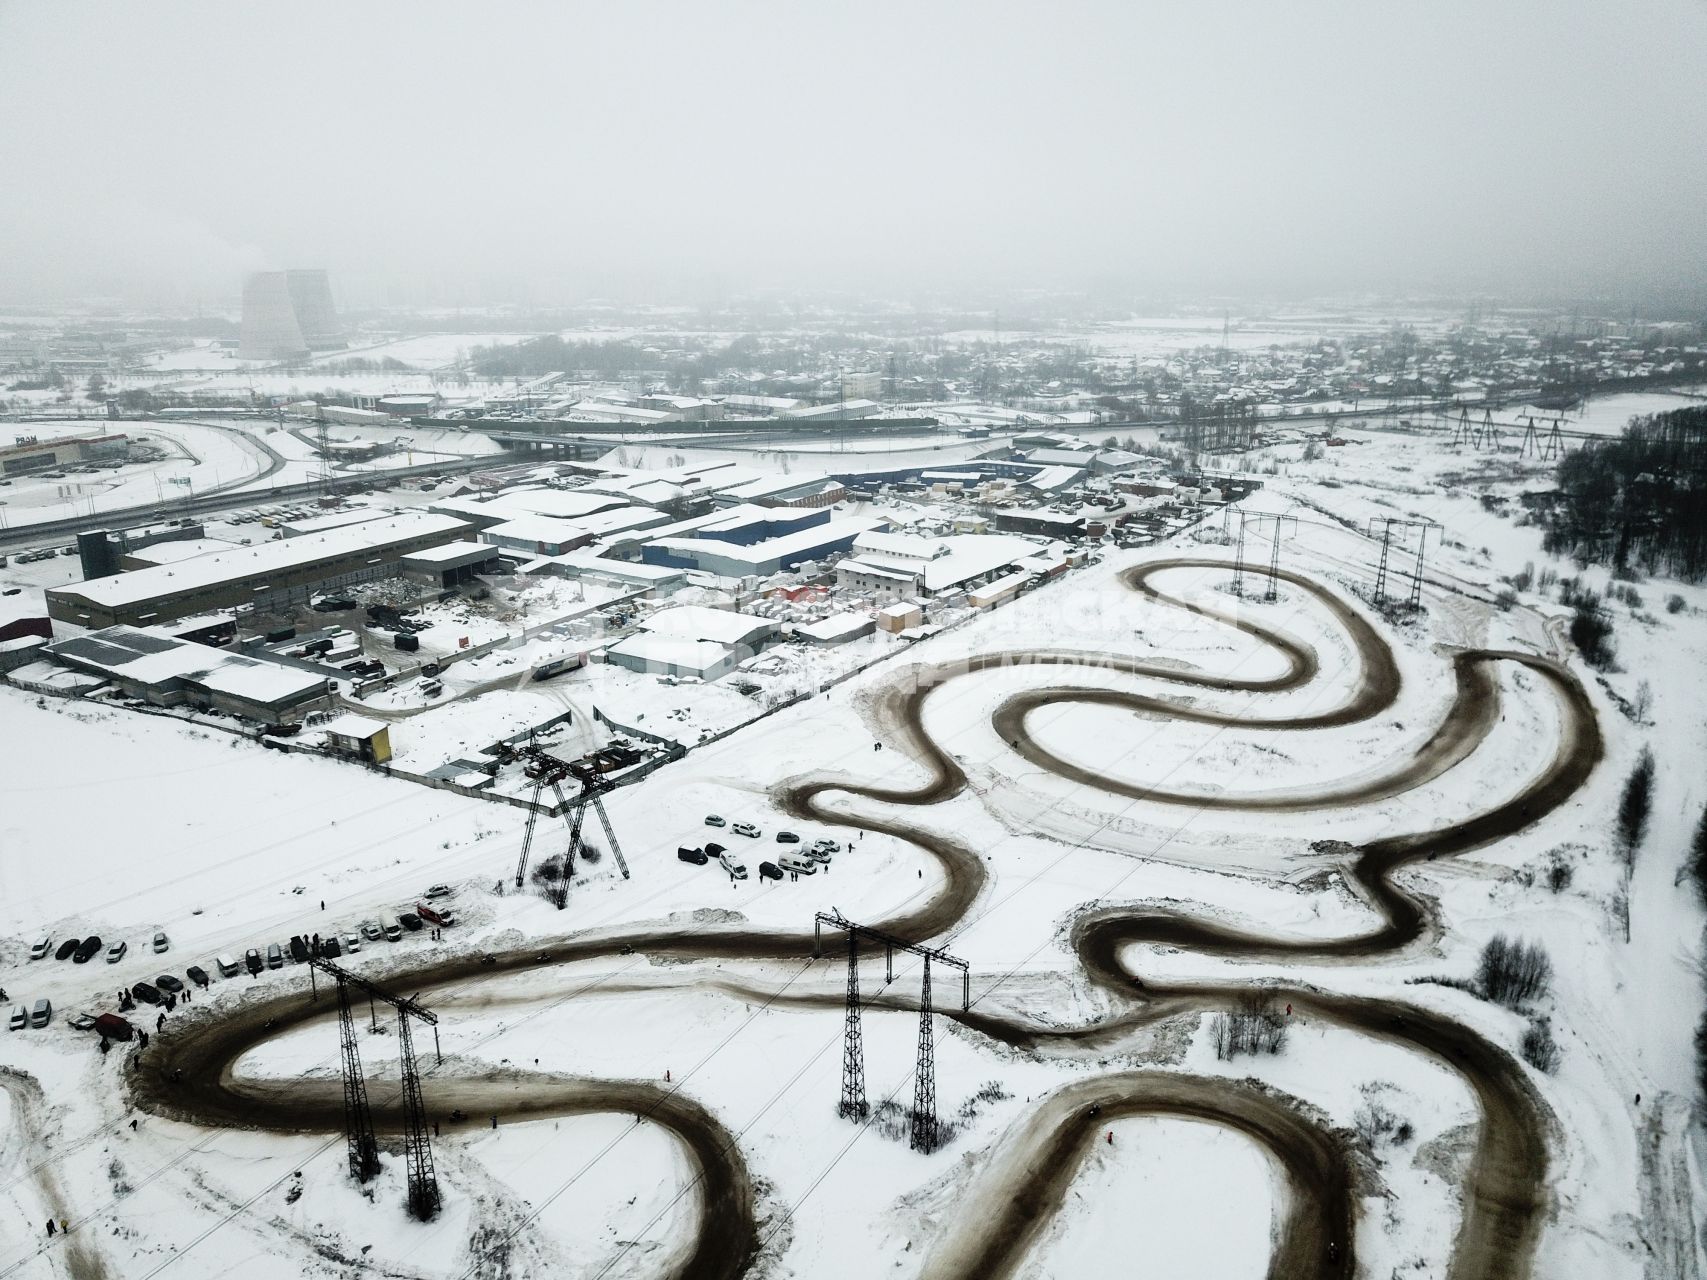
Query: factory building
[29, 454]
[265, 576]
[902, 565]
[450, 565]
[758, 545]
[148, 663]
[693, 641]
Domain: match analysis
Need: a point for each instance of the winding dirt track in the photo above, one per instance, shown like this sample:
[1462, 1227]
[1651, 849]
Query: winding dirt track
[1505, 1197]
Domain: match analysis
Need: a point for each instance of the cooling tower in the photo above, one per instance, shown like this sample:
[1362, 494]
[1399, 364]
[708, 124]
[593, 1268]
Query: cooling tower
[311, 295]
[270, 330]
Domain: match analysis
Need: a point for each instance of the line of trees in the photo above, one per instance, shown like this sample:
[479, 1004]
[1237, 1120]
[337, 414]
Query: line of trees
[1638, 502]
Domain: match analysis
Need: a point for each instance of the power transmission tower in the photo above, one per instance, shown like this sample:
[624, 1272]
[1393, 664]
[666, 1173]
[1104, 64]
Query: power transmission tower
[423, 1178]
[1554, 445]
[1381, 570]
[853, 1106]
[925, 1132]
[358, 1120]
[1531, 442]
[548, 771]
[924, 1079]
[1257, 518]
[1388, 523]
[423, 1181]
[323, 441]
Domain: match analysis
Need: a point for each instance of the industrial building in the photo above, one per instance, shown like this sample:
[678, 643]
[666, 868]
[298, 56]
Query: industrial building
[149, 664]
[758, 542]
[287, 315]
[694, 641]
[903, 565]
[269, 575]
[27, 453]
[450, 565]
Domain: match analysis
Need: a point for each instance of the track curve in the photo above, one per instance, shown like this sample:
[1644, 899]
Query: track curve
[1506, 1193]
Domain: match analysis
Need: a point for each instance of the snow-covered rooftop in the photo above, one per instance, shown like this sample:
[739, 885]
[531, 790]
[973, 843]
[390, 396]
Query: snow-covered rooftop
[121, 589]
[696, 622]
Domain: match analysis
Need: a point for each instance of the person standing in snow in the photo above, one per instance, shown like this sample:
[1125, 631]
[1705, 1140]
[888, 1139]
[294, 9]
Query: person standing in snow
[50, 1226]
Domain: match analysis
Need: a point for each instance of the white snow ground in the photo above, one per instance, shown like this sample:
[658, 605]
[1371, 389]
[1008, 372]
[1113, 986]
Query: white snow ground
[123, 824]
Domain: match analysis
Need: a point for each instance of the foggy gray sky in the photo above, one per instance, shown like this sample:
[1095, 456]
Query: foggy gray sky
[537, 153]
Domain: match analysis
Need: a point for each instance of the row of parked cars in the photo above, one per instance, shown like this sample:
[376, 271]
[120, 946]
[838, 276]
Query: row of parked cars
[256, 959]
[803, 860]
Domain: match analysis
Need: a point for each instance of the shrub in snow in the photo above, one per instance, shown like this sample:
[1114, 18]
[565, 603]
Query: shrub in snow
[1674, 603]
[1591, 632]
[1377, 1124]
[1511, 973]
[1696, 866]
[1252, 1026]
[1635, 805]
[1540, 1050]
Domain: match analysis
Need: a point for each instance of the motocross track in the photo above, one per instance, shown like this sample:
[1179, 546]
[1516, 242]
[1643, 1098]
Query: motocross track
[1504, 1195]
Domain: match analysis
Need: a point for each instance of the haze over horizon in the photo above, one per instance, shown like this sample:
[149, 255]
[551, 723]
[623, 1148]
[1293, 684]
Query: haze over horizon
[538, 154]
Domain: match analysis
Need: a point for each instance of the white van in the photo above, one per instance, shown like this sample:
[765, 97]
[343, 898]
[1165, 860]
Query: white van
[228, 968]
[798, 863]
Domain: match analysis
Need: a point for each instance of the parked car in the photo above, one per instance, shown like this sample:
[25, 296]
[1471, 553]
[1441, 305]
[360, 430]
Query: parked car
[440, 891]
[799, 864]
[736, 869]
[42, 947]
[695, 856]
[715, 820]
[745, 829]
[82, 1022]
[769, 871]
[20, 1019]
[113, 1027]
[66, 948]
[787, 837]
[820, 856]
[115, 953]
[146, 992]
[371, 930]
[169, 983]
[330, 947]
[298, 948]
[393, 930]
[42, 1013]
[160, 943]
[352, 944]
[826, 846]
[196, 974]
[275, 956]
[228, 968]
[410, 921]
[252, 960]
[85, 949]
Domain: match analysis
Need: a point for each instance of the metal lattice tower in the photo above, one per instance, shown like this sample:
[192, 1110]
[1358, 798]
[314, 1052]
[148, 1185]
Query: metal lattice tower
[924, 1080]
[358, 1119]
[1381, 569]
[548, 771]
[853, 1105]
[1423, 527]
[423, 1179]
[1239, 560]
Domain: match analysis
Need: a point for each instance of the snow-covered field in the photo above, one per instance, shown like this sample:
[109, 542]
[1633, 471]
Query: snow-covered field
[120, 824]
